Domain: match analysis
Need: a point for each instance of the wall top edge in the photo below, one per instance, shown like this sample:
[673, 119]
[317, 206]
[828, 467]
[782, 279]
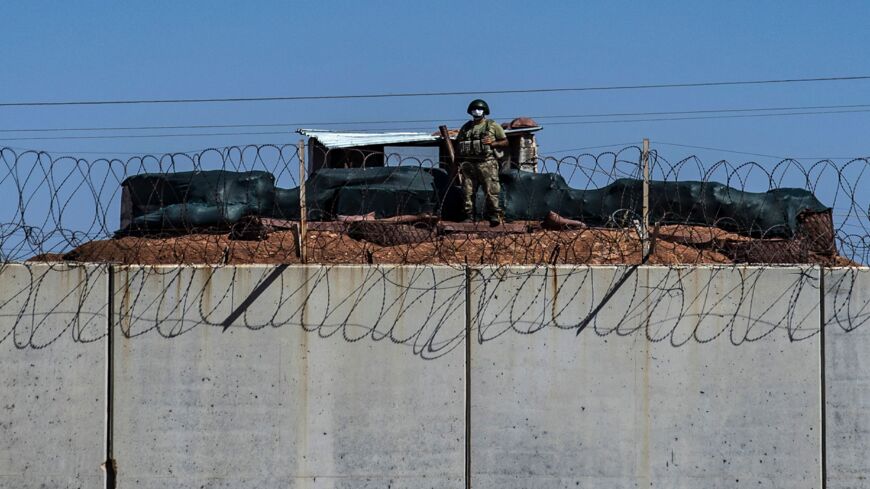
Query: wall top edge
[74, 265]
[59, 265]
[496, 267]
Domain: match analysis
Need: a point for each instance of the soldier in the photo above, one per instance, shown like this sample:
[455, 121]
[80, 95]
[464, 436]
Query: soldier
[479, 140]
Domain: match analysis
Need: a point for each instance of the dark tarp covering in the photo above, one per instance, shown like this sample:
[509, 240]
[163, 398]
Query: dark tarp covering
[178, 202]
[386, 191]
[769, 214]
[217, 199]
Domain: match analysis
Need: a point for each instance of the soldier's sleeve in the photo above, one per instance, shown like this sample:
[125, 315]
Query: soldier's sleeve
[499, 131]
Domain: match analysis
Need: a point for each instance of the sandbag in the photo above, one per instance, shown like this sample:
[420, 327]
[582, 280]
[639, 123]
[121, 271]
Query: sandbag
[386, 191]
[200, 200]
[530, 196]
[185, 201]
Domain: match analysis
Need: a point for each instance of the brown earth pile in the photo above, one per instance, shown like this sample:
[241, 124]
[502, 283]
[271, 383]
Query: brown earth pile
[674, 245]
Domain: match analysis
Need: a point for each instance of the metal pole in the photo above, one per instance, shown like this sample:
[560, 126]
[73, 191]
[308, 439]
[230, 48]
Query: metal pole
[645, 225]
[451, 154]
[303, 208]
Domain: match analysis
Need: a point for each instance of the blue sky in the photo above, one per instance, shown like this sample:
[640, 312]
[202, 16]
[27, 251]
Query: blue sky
[91, 50]
[168, 49]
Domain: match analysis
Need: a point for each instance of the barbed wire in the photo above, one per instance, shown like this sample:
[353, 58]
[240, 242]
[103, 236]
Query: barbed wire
[674, 306]
[241, 204]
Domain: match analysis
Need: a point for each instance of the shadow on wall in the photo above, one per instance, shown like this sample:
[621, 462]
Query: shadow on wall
[423, 308]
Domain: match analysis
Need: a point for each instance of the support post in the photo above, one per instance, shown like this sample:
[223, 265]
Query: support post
[645, 224]
[451, 155]
[303, 208]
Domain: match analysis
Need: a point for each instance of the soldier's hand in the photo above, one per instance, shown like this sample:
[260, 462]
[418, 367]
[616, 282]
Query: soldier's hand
[487, 140]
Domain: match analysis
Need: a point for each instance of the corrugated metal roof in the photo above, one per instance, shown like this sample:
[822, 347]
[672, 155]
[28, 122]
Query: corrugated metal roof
[342, 139]
[334, 139]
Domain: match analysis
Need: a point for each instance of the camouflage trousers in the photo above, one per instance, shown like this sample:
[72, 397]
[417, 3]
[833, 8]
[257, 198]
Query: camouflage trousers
[481, 174]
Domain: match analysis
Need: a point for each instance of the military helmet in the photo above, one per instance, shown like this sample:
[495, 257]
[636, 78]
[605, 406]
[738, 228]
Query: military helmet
[478, 104]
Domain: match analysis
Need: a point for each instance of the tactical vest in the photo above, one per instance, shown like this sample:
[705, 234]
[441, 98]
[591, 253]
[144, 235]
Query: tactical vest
[474, 148]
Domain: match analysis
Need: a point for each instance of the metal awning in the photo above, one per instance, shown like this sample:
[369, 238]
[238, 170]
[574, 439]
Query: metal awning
[335, 139]
[343, 139]
[523, 129]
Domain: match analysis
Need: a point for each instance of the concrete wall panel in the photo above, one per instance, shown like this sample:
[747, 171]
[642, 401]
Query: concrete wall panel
[53, 361]
[705, 377]
[847, 377]
[354, 377]
[330, 377]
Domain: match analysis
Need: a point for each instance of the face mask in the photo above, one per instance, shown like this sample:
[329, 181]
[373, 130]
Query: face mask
[477, 112]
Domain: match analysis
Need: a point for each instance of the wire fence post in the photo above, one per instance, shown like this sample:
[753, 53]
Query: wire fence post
[303, 209]
[645, 224]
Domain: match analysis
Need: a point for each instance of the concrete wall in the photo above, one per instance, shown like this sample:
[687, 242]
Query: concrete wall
[53, 382]
[847, 377]
[356, 376]
[332, 377]
[685, 378]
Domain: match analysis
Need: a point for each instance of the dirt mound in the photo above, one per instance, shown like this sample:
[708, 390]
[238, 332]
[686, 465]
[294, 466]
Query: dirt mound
[593, 246]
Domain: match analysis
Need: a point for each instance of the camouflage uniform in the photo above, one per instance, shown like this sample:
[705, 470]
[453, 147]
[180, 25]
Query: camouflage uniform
[479, 165]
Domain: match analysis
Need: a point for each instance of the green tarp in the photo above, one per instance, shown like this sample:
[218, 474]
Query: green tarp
[769, 214]
[176, 202]
[386, 191]
[180, 202]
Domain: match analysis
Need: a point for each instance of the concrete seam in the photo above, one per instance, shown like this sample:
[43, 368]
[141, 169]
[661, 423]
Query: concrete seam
[111, 480]
[467, 377]
[823, 394]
